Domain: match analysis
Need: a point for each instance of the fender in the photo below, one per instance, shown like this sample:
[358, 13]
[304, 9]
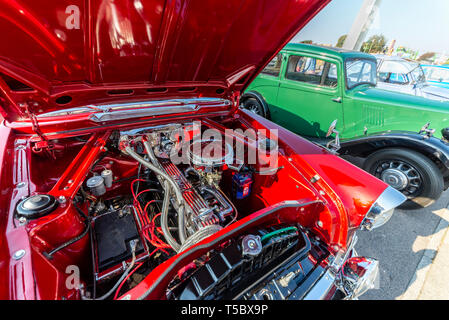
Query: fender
[436, 149]
[256, 95]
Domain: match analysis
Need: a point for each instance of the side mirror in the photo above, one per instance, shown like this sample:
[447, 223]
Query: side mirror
[333, 145]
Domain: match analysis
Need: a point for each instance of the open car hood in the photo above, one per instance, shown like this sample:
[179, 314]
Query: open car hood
[68, 53]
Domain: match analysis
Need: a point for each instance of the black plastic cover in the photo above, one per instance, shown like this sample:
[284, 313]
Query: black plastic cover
[113, 234]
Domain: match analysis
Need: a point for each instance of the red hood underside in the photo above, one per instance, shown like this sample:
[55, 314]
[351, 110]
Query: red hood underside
[69, 47]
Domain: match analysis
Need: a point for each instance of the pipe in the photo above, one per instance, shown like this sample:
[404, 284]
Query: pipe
[181, 224]
[164, 219]
[158, 171]
[175, 188]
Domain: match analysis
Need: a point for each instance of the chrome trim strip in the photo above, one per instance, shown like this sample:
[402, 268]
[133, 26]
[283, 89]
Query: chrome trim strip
[137, 113]
[389, 199]
[342, 256]
[167, 104]
[321, 288]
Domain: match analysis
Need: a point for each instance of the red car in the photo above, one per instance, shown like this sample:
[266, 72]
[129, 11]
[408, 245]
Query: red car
[128, 170]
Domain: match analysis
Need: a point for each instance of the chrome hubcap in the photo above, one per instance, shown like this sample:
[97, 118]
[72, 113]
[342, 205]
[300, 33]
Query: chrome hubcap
[400, 175]
[395, 178]
[253, 108]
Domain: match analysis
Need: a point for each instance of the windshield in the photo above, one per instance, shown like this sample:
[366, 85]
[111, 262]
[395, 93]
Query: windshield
[418, 74]
[437, 74]
[360, 71]
[401, 72]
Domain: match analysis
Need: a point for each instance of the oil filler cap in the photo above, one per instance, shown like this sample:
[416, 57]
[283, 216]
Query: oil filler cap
[36, 206]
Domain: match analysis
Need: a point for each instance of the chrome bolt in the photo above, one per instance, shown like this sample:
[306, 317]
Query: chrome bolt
[251, 244]
[70, 181]
[319, 224]
[66, 188]
[62, 199]
[22, 220]
[19, 254]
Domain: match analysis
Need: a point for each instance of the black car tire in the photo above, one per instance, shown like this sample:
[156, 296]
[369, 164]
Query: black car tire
[253, 105]
[432, 179]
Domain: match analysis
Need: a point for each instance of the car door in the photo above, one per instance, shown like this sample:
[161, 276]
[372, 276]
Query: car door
[309, 97]
[267, 82]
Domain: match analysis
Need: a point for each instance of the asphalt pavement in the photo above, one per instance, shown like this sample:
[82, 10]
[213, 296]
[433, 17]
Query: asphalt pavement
[413, 252]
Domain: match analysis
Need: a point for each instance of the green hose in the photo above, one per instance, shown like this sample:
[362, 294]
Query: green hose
[270, 235]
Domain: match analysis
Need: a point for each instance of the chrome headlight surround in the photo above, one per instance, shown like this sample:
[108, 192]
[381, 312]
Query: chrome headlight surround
[382, 210]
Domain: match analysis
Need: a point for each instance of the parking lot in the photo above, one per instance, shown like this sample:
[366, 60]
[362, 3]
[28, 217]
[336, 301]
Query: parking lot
[406, 247]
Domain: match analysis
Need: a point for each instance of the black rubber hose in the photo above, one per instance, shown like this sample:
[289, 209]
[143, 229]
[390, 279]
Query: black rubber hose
[50, 254]
[119, 281]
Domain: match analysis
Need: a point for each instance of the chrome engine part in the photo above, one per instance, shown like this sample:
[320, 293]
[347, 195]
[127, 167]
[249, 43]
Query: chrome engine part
[198, 201]
[200, 212]
[210, 154]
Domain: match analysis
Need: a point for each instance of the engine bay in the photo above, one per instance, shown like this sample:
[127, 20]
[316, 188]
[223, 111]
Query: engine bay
[169, 207]
[150, 193]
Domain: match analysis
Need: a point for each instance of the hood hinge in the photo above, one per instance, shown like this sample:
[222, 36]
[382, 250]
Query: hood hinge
[43, 144]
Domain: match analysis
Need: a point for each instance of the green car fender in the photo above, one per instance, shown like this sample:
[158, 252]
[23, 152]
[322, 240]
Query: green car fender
[256, 95]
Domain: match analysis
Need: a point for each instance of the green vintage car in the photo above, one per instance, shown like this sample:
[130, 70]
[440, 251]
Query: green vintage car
[306, 87]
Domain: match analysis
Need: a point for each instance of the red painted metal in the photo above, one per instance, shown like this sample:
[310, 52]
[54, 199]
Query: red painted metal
[214, 47]
[137, 45]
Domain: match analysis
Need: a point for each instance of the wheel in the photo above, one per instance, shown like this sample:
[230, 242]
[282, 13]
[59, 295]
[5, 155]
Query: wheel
[410, 172]
[251, 104]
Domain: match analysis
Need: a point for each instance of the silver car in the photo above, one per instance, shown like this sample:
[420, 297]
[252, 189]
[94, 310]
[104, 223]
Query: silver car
[406, 76]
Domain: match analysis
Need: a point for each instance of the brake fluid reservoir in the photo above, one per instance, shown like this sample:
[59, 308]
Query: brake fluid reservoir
[107, 176]
[96, 186]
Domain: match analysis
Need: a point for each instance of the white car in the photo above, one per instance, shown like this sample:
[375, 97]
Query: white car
[406, 76]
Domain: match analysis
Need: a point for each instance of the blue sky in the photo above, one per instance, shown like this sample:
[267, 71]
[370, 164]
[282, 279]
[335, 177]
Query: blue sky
[418, 24]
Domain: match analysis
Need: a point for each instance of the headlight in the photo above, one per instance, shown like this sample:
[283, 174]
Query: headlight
[383, 209]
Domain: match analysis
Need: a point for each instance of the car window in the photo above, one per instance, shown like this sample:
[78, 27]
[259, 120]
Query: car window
[312, 71]
[397, 66]
[274, 67]
[360, 71]
[395, 78]
[418, 74]
[438, 74]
